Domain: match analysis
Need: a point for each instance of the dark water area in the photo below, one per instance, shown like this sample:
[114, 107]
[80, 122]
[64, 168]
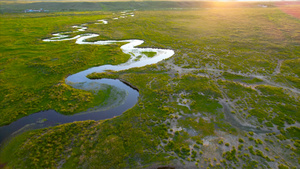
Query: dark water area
[50, 118]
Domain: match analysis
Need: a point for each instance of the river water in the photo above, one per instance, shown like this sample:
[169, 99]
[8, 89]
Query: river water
[123, 98]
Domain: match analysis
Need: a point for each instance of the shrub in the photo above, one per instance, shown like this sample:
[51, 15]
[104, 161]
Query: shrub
[241, 140]
[281, 137]
[240, 146]
[196, 146]
[258, 141]
[230, 155]
[221, 142]
[282, 166]
[194, 154]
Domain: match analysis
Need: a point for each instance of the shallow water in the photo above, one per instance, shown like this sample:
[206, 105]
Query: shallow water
[125, 96]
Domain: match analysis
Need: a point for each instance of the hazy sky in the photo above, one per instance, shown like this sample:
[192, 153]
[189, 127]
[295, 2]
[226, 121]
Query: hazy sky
[145, 0]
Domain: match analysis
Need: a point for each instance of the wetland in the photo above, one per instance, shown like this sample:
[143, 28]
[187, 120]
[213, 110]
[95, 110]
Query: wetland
[223, 94]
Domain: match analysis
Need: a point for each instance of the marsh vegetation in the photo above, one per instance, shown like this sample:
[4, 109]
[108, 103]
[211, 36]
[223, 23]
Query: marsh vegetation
[219, 102]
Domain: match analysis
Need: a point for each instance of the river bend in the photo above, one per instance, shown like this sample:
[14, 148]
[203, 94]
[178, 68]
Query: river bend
[124, 97]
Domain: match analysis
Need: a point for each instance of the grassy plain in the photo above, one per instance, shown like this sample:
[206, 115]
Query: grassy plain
[218, 102]
[111, 5]
[33, 71]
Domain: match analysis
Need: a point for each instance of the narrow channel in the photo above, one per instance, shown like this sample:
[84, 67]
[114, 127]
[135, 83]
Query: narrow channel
[80, 81]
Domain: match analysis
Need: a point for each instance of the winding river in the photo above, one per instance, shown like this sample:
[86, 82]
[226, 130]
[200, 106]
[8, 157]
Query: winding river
[123, 98]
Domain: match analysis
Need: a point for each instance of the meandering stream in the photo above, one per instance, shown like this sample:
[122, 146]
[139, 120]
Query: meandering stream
[124, 97]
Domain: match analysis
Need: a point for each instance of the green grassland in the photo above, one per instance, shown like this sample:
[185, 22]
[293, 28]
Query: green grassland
[218, 102]
[32, 71]
[14, 6]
